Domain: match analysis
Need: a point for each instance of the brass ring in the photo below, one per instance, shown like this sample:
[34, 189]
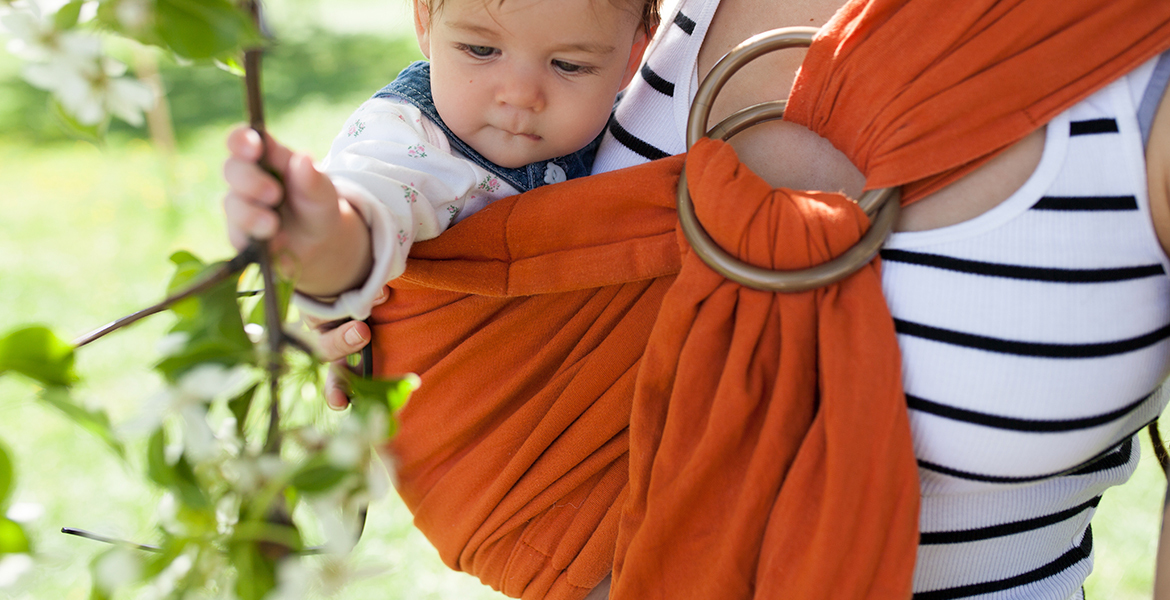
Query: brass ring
[882, 206]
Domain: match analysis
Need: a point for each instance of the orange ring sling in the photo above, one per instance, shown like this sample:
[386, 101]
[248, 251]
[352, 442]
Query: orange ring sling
[596, 398]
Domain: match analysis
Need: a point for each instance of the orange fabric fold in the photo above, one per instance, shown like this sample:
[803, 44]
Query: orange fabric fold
[770, 445]
[527, 329]
[919, 94]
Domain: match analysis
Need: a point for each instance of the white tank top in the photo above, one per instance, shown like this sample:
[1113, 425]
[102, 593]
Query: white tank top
[1033, 336]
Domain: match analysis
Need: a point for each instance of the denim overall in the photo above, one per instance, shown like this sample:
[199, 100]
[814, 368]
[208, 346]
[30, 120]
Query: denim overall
[413, 85]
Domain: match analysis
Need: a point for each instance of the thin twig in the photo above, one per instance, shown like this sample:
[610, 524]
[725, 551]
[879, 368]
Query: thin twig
[89, 535]
[1159, 448]
[272, 320]
[101, 538]
[225, 270]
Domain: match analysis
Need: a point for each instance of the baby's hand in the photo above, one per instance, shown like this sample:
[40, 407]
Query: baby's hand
[318, 238]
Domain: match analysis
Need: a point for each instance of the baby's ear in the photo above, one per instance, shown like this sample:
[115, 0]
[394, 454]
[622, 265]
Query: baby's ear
[422, 26]
[641, 40]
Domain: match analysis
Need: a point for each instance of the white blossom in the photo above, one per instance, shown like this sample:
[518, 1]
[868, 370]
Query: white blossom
[168, 513]
[70, 65]
[326, 575]
[227, 514]
[188, 399]
[255, 332]
[13, 569]
[165, 582]
[351, 446]
[341, 535]
[25, 512]
[117, 569]
[378, 481]
[134, 15]
[172, 343]
[247, 474]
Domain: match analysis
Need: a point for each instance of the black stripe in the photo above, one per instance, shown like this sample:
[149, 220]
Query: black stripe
[684, 23]
[1038, 349]
[974, 267]
[628, 140]
[929, 466]
[974, 535]
[1012, 424]
[1112, 460]
[657, 82]
[1093, 126]
[1066, 560]
[1086, 203]
[1114, 457]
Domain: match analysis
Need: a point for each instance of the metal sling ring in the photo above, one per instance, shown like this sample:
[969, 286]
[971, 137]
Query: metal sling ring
[881, 206]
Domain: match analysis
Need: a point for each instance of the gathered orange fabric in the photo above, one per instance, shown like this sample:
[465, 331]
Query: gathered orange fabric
[770, 452]
[786, 457]
[918, 94]
[527, 326]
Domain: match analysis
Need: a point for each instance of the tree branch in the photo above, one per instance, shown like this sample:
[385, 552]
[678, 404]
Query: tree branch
[225, 270]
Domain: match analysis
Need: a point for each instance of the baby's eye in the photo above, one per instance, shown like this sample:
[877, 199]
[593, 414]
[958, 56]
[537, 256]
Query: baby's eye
[480, 51]
[572, 68]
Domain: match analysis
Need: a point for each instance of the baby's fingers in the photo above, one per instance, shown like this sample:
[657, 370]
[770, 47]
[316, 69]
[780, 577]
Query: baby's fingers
[249, 181]
[247, 220]
[244, 143]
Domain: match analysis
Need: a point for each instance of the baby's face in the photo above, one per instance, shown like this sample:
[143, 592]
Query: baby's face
[528, 80]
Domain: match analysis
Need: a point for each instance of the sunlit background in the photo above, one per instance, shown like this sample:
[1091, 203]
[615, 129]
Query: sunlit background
[85, 232]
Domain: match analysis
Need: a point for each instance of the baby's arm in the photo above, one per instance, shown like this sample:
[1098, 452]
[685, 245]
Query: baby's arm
[391, 180]
[398, 171]
[315, 234]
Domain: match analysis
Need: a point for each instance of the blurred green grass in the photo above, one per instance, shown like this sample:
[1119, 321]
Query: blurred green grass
[84, 237]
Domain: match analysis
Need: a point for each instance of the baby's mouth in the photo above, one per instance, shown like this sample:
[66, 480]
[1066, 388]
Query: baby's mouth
[530, 136]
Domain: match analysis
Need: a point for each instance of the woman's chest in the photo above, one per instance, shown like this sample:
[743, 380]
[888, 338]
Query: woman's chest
[1033, 334]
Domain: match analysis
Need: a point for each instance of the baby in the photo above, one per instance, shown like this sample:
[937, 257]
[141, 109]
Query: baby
[515, 95]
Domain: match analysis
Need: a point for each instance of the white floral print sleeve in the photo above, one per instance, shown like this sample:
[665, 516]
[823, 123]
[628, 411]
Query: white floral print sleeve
[401, 174]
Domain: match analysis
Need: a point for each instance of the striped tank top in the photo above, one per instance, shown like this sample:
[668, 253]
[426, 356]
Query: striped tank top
[1033, 337]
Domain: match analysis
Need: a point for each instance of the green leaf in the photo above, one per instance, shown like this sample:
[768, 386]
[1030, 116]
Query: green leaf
[13, 540]
[96, 422]
[157, 467]
[240, 406]
[37, 353]
[390, 393]
[156, 562]
[178, 478]
[230, 63]
[7, 476]
[144, 32]
[284, 293]
[95, 593]
[187, 268]
[203, 29]
[91, 133]
[66, 17]
[201, 351]
[317, 475]
[255, 573]
[211, 321]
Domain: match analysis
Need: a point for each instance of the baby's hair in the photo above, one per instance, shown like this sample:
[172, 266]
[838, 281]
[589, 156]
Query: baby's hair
[649, 10]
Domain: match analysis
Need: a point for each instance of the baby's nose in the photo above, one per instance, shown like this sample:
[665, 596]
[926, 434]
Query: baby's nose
[521, 90]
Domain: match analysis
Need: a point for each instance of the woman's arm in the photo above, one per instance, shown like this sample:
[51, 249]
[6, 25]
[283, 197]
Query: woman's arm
[1158, 176]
